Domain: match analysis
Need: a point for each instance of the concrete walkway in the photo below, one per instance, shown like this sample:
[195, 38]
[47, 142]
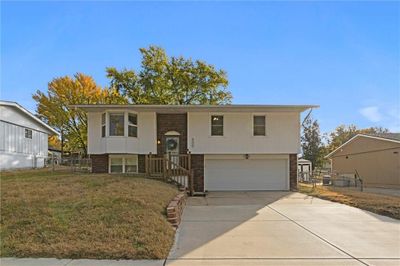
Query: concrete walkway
[279, 228]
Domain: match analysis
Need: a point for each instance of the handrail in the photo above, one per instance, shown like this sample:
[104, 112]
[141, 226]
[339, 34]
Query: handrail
[171, 170]
[357, 176]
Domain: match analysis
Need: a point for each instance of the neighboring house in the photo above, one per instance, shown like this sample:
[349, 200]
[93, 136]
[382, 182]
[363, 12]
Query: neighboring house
[375, 157]
[233, 147]
[23, 137]
[54, 154]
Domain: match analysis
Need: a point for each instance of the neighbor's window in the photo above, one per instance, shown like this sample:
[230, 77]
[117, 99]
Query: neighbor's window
[28, 133]
[217, 125]
[116, 165]
[117, 124]
[132, 125]
[259, 125]
[130, 164]
[103, 125]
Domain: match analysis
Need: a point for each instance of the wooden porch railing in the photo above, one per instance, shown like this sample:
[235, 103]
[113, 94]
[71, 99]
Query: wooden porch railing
[174, 168]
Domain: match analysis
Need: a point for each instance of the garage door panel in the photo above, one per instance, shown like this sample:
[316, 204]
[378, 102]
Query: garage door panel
[246, 174]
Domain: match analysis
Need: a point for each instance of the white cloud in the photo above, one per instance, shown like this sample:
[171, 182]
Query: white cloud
[371, 113]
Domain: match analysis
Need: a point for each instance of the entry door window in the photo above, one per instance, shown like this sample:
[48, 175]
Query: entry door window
[172, 144]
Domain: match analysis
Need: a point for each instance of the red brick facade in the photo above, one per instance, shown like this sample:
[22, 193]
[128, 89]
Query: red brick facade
[293, 171]
[171, 122]
[99, 163]
[197, 164]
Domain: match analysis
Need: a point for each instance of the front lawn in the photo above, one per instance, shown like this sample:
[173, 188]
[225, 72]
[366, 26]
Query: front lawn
[380, 204]
[98, 216]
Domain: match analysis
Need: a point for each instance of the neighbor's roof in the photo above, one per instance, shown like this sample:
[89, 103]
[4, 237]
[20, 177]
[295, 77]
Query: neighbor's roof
[196, 108]
[29, 114]
[392, 137]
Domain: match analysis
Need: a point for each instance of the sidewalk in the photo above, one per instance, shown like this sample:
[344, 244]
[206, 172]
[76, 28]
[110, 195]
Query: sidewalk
[80, 262]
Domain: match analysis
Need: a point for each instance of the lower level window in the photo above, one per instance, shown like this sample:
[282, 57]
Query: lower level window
[116, 165]
[123, 164]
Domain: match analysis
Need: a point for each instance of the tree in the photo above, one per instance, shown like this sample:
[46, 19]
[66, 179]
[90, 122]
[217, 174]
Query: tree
[171, 80]
[54, 107]
[311, 144]
[343, 133]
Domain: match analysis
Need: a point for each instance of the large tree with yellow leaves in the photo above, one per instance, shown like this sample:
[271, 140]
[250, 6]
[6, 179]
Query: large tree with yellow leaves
[54, 107]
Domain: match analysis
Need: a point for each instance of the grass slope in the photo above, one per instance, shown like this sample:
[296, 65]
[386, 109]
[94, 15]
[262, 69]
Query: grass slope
[84, 216]
[380, 204]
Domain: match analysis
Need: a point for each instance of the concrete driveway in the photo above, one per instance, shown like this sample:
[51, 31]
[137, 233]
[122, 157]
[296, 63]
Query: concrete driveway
[282, 228]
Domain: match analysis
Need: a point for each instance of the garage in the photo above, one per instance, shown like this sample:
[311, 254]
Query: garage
[246, 172]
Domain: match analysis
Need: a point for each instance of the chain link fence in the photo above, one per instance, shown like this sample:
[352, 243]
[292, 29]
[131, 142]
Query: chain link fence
[80, 165]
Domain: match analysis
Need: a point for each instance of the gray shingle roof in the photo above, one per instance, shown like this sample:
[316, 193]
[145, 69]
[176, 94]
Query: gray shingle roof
[394, 136]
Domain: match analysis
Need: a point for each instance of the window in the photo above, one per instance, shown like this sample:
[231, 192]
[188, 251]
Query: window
[123, 164]
[103, 125]
[116, 165]
[217, 125]
[259, 125]
[28, 133]
[117, 124]
[131, 165]
[132, 125]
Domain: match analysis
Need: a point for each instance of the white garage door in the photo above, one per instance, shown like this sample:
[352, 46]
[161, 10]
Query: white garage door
[242, 174]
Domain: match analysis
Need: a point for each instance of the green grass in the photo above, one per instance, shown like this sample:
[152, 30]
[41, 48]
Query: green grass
[98, 216]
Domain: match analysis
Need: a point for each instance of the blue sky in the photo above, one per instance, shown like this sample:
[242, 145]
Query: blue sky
[344, 56]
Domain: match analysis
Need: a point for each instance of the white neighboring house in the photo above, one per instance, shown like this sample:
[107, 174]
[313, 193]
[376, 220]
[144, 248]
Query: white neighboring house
[23, 137]
[233, 147]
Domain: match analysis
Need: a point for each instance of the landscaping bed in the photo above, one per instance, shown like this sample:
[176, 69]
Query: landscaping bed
[100, 216]
[381, 204]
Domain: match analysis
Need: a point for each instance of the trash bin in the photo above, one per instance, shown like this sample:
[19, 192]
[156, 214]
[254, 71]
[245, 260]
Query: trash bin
[326, 180]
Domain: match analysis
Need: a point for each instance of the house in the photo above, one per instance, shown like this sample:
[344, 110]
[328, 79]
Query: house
[375, 157]
[23, 137]
[232, 147]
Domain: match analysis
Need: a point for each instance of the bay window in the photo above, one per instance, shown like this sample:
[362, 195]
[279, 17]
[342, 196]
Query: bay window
[132, 125]
[117, 125]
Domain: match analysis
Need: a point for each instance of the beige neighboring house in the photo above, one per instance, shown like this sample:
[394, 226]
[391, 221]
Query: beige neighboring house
[375, 157]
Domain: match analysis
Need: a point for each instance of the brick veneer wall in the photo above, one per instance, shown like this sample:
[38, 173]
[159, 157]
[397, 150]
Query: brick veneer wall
[197, 164]
[293, 171]
[171, 122]
[141, 163]
[99, 163]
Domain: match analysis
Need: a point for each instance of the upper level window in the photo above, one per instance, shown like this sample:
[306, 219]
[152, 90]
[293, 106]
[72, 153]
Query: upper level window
[132, 125]
[259, 125]
[117, 124]
[103, 125]
[217, 125]
[28, 133]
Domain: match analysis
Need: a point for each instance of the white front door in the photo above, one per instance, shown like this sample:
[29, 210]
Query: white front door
[246, 174]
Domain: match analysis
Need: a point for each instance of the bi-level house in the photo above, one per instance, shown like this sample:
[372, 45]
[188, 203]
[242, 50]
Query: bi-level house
[232, 147]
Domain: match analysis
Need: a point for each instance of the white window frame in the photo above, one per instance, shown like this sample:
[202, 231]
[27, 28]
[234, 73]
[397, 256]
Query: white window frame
[223, 125]
[30, 133]
[124, 159]
[129, 124]
[103, 125]
[265, 125]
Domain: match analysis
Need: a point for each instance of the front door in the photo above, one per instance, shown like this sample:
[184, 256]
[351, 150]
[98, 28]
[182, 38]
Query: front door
[172, 145]
[172, 149]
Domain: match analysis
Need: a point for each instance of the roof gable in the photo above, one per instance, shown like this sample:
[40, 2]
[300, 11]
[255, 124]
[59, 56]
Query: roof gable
[28, 115]
[366, 143]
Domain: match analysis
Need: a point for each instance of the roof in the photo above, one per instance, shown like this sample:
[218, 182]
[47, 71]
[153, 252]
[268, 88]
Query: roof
[197, 108]
[392, 137]
[303, 161]
[29, 114]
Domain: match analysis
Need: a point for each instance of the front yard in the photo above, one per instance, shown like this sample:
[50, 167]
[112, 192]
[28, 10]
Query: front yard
[380, 204]
[68, 215]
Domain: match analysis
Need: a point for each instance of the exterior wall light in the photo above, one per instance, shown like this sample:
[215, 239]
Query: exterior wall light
[246, 156]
